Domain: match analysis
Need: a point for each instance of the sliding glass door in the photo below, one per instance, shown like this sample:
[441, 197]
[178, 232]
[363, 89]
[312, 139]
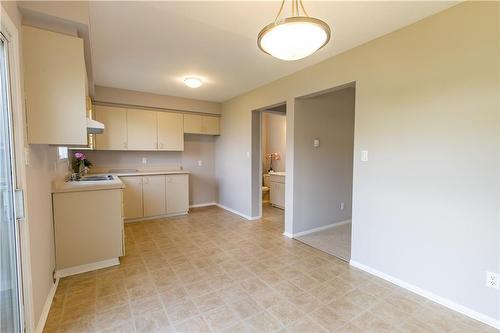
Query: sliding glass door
[10, 295]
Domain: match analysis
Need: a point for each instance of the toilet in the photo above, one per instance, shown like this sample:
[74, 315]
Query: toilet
[265, 188]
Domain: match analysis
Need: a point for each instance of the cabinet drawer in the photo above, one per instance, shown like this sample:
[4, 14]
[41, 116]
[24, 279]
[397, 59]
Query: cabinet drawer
[277, 179]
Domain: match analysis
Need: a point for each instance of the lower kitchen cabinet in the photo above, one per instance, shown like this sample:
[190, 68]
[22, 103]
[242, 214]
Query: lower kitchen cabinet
[88, 228]
[158, 195]
[153, 195]
[177, 187]
[132, 197]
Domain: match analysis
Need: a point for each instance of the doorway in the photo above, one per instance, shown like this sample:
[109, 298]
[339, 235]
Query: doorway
[269, 163]
[323, 170]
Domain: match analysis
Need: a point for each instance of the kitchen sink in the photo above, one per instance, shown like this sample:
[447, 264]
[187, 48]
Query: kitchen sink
[96, 178]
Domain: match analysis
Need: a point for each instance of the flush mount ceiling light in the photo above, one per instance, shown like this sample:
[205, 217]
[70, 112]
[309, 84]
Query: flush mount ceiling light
[192, 82]
[294, 37]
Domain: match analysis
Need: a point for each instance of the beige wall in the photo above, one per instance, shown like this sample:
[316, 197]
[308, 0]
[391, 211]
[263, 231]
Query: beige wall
[138, 98]
[202, 184]
[425, 205]
[43, 169]
[274, 140]
[323, 174]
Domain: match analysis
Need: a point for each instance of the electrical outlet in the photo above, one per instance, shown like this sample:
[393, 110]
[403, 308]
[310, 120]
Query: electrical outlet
[144, 160]
[342, 206]
[200, 163]
[492, 280]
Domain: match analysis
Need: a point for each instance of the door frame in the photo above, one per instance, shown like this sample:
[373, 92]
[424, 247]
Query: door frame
[256, 159]
[11, 34]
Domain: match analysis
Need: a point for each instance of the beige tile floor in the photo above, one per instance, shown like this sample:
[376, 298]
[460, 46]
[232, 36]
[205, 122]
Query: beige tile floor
[212, 271]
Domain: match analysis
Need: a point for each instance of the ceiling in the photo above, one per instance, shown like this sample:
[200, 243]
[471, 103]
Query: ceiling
[151, 46]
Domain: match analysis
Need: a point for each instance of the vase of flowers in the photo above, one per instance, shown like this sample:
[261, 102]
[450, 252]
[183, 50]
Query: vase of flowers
[272, 157]
[80, 164]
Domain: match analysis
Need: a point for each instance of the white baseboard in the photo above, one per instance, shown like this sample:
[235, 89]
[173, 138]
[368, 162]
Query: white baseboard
[429, 295]
[203, 205]
[87, 267]
[139, 219]
[310, 231]
[287, 235]
[238, 213]
[46, 308]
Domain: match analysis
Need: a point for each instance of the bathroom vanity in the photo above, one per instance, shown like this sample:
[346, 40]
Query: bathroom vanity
[277, 189]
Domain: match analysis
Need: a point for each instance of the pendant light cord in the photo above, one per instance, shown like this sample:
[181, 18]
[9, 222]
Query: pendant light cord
[295, 9]
[303, 8]
[280, 11]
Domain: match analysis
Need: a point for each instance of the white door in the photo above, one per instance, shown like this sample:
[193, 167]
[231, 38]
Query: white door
[170, 131]
[11, 318]
[132, 197]
[153, 195]
[114, 136]
[142, 130]
[177, 191]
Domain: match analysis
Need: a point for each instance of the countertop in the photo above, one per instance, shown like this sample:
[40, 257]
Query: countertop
[149, 173]
[62, 186]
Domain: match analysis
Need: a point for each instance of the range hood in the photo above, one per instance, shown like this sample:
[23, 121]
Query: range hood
[94, 127]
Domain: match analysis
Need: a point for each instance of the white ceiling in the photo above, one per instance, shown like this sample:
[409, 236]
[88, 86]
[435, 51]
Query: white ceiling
[151, 46]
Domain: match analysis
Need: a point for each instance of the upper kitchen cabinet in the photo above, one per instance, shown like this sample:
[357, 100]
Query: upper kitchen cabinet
[142, 130]
[199, 124]
[170, 131]
[114, 136]
[55, 87]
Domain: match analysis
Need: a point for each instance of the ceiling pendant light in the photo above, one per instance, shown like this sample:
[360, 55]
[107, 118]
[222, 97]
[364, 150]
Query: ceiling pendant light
[294, 37]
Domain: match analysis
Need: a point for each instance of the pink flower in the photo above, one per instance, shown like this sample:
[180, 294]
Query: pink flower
[80, 156]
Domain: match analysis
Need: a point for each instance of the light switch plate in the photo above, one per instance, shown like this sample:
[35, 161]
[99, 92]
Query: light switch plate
[364, 156]
[316, 143]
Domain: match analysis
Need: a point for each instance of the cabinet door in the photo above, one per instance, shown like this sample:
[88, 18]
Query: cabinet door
[280, 199]
[153, 190]
[132, 197]
[277, 194]
[55, 84]
[142, 130]
[273, 192]
[114, 136]
[177, 194]
[211, 125]
[193, 124]
[170, 131]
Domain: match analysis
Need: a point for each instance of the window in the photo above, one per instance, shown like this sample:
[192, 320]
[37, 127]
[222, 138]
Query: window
[62, 152]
